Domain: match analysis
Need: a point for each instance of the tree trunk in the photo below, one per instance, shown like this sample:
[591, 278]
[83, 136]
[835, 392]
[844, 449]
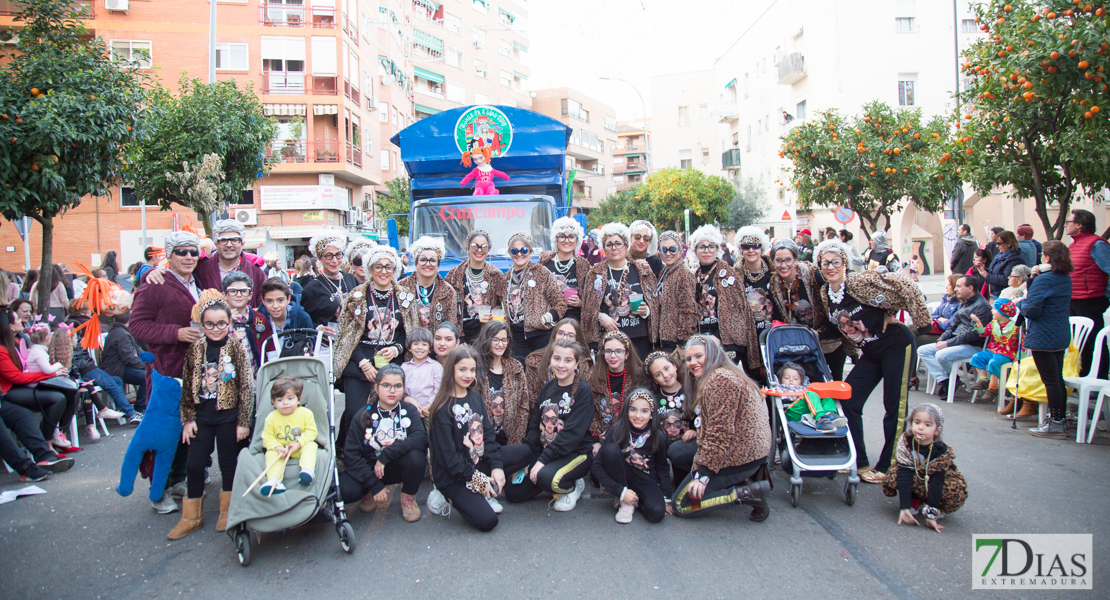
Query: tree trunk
[46, 270]
[206, 218]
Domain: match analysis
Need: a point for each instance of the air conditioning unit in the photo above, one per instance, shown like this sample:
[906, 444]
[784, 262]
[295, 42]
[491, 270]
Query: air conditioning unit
[354, 216]
[477, 43]
[117, 5]
[371, 103]
[246, 216]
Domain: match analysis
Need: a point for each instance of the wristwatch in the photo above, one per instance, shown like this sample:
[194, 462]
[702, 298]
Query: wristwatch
[704, 480]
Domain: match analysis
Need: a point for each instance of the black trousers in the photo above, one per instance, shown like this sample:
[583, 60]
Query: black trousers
[524, 343]
[836, 360]
[652, 504]
[1092, 308]
[721, 490]
[892, 365]
[557, 477]
[1050, 365]
[408, 470]
[474, 508]
[51, 403]
[211, 437]
[681, 455]
[356, 394]
[19, 422]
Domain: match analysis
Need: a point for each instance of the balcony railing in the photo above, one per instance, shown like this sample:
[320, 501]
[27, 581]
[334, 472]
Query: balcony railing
[350, 27]
[730, 159]
[355, 96]
[792, 68]
[726, 113]
[283, 82]
[325, 85]
[354, 155]
[290, 15]
[288, 151]
[325, 151]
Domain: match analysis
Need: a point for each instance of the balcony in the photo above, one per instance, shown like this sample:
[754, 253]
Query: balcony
[726, 113]
[354, 155]
[296, 82]
[792, 69]
[629, 150]
[290, 15]
[325, 151]
[730, 159]
[85, 8]
[350, 27]
[630, 168]
[288, 150]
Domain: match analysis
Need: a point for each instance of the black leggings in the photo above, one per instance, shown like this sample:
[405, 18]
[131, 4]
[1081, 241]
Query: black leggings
[721, 490]
[681, 454]
[1050, 365]
[611, 460]
[892, 367]
[209, 437]
[556, 477]
[356, 394]
[525, 343]
[474, 508]
[53, 404]
[408, 470]
[835, 360]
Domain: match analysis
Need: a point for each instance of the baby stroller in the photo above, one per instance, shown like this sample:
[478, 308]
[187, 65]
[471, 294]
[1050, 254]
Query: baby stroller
[299, 505]
[805, 451]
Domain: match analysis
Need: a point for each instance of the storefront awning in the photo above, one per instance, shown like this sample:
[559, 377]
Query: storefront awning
[325, 109]
[254, 237]
[300, 232]
[284, 110]
[520, 76]
[425, 74]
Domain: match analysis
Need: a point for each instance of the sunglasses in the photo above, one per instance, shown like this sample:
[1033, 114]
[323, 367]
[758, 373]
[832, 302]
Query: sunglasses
[480, 247]
[751, 246]
[669, 249]
[639, 237]
[184, 252]
[709, 248]
[519, 251]
[356, 261]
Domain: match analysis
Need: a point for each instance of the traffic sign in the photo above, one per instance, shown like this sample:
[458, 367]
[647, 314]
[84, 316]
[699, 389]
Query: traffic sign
[786, 215]
[843, 215]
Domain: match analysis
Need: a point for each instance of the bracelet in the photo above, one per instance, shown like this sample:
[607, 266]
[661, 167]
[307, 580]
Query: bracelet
[930, 512]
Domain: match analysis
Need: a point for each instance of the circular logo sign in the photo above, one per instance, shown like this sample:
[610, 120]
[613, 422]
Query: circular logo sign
[843, 214]
[484, 126]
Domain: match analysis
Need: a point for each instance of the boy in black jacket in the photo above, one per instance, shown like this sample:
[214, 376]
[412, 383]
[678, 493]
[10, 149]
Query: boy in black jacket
[120, 358]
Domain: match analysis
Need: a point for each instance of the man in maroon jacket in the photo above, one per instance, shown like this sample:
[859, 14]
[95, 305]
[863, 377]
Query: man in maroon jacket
[161, 316]
[228, 235]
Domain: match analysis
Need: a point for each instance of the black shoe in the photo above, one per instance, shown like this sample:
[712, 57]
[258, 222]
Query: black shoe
[942, 389]
[34, 473]
[56, 465]
[755, 495]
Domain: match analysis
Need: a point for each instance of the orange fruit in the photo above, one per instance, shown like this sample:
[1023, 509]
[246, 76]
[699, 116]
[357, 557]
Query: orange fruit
[1083, 64]
[1088, 115]
[1054, 55]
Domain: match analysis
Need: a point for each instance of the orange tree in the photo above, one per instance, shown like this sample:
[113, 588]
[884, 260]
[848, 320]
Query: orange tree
[66, 111]
[671, 191]
[872, 163]
[1034, 114]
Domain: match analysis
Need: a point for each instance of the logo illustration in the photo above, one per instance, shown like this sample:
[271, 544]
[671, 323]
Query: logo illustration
[1031, 562]
[484, 126]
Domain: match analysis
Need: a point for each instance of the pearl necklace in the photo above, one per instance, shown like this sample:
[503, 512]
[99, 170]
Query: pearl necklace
[837, 297]
[560, 268]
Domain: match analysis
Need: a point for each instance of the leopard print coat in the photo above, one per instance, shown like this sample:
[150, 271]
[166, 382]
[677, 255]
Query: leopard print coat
[542, 294]
[496, 279]
[736, 320]
[676, 290]
[518, 408]
[237, 392]
[591, 302]
[734, 428]
[954, 492]
[581, 266]
[891, 292]
[443, 306]
[352, 321]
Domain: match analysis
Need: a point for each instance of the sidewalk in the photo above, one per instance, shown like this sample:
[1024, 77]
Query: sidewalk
[932, 286]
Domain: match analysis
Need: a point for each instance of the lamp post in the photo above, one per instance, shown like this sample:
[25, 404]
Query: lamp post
[647, 139]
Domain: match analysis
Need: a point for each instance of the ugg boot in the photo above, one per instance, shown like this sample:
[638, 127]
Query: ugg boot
[410, 511]
[192, 518]
[225, 502]
[755, 495]
[1008, 409]
[1028, 409]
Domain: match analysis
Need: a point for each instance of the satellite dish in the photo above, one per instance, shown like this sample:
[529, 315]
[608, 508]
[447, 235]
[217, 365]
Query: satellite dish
[386, 80]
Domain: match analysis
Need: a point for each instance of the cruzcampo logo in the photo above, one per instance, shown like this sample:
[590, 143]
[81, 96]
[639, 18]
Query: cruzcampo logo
[484, 126]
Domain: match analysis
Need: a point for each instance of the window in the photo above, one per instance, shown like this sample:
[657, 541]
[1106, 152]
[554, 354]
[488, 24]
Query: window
[507, 78]
[685, 159]
[968, 26]
[480, 38]
[520, 52]
[428, 82]
[905, 90]
[385, 160]
[586, 139]
[231, 57]
[246, 198]
[705, 155]
[903, 25]
[426, 45]
[452, 23]
[481, 69]
[618, 179]
[456, 93]
[128, 197]
[749, 146]
[800, 110]
[283, 63]
[573, 108]
[505, 17]
[453, 58]
[703, 111]
[383, 112]
[684, 116]
[610, 123]
[480, 98]
[480, 5]
[505, 48]
[747, 81]
[767, 123]
[133, 51]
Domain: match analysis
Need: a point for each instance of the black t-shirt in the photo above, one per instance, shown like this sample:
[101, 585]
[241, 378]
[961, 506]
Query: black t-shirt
[861, 323]
[424, 300]
[670, 407]
[322, 297]
[213, 372]
[497, 404]
[476, 293]
[759, 298]
[615, 301]
[566, 277]
[803, 306]
[514, 298]
[383, 327]
[611, 404]
[705, 294]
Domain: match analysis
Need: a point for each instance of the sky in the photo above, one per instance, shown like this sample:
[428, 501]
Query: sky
[575, 42]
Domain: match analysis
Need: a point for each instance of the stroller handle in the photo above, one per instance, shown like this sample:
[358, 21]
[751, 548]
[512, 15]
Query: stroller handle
[296, 333]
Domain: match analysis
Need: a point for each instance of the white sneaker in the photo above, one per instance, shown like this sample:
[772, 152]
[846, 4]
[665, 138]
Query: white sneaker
[109, 415]
[60, 440]
[495, 505]
[567, 502]
[178, 490]
[624, 513]
[91, 431]
[437, 504]
[165, 506]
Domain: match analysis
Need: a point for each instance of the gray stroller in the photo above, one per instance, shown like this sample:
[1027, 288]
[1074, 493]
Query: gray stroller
[299, 505]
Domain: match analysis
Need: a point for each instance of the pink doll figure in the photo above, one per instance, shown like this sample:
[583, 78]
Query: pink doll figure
[483, 173]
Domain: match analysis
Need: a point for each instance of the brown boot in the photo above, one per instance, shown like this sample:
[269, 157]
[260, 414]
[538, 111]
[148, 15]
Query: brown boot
[1008, 409]
[1028, 409]
[192, 518]
[410, 511]
[755, 495]
[225, 502]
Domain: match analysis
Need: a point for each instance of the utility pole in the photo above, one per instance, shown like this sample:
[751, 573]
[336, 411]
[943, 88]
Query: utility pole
[212, 41]
[647, 139]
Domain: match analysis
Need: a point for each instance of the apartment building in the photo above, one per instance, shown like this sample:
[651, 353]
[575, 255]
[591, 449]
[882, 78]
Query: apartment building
[631, 158]
[593, 137]
[684, 132]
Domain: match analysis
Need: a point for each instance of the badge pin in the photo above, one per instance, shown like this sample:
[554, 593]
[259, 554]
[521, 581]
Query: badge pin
[531, 283]
[356, 295]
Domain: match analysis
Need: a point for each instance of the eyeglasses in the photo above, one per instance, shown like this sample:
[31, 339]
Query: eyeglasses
[424, 260]
[614, 352]
[480, 247]
[499, 341]
[332, 256]
[835, 263]
[209, 325]
[184, 252]
[519, 251]
[707, 248]
[669, 250]
[614, 245]
[785, 262]
[642, 237]
[563, 335]
[230, 241]
[381, 268]
[566, 237]
[238, 292]
[751, 246]
[392, 387]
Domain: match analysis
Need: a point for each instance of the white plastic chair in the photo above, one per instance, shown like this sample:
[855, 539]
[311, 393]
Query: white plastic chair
[1085, 386]
[1080, 328]
[1100, 405]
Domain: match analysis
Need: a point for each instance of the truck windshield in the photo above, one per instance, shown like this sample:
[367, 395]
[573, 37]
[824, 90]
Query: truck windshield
[454, 221]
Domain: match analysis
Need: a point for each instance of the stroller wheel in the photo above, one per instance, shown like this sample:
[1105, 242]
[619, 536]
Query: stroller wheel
[795, 494]
[850, 493]
[346, 537]
[243, 548]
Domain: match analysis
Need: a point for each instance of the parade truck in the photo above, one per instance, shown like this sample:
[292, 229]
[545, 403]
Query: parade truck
[528, 147]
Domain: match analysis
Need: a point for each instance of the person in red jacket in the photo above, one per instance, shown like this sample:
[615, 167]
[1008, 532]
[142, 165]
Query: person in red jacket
[1090, 256]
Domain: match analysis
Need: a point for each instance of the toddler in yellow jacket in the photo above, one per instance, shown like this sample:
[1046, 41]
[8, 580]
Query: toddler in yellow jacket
[290, 429]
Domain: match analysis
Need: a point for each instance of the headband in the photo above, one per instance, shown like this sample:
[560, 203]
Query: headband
[373, 256]
[654, 355]
[328, 239]
[752, 235]
[523, 237]
[618, 229]
[209, 299]
[653, 246]
[827, 246]
[641, 394]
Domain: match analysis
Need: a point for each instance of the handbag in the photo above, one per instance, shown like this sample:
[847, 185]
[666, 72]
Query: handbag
[58, 383]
